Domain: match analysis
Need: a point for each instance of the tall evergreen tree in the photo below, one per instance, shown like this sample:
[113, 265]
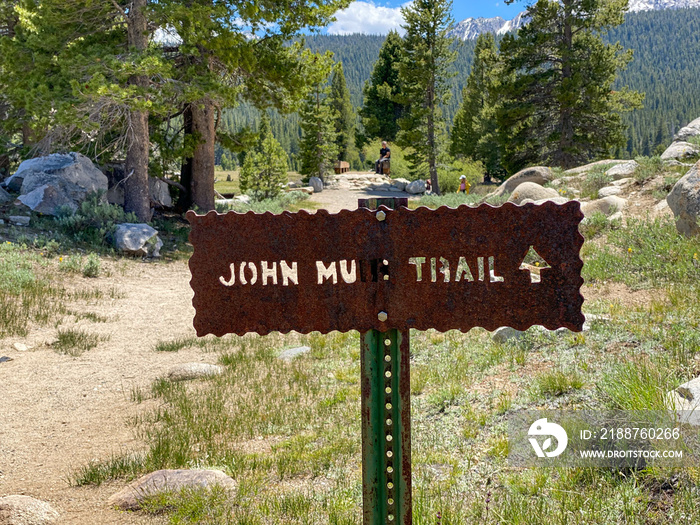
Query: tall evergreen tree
[382, 109]
[474, 133]
[561, 108]
[424, 71]
[344, 116]
[264, 170]
[318, 149]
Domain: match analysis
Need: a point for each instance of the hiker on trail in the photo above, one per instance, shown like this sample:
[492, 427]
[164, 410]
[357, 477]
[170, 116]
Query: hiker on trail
[384, 154]
[464, 186]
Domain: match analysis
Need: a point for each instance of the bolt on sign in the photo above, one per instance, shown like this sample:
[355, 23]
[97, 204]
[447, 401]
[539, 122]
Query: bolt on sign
[383, 272]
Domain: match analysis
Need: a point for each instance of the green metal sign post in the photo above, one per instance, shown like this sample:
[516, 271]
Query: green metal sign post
[386, 419]
[386, 428]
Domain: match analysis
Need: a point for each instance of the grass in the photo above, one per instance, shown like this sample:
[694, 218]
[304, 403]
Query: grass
[292, 201]
[644, 254]
[28, 295]
[557, 382]
[75, 342]
[594, 181]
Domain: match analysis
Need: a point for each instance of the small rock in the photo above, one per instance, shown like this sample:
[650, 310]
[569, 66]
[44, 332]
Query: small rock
[415, 187]
[307, 189]
[190, 371]
[533, 191]
[689, 131]
[20, 347]
[23, 510]
[292, 353]
[401, 183]
[555, 200]
[662, 205]
[19, 220]
[609, 191]
[5, 197]
[316, 184]
[5, 359]
[686, 401]
[621, 182]
[621, 171]
[131, 497]
[506, 333]
[617, 216]
[538, 175]
[588, 167]
[160, 192]
[680, 150]
[607, 206]
[684, 201]
[137, 239]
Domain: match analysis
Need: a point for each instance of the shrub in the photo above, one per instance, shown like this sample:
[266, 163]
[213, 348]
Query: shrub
[649, 167]
[93, 221]
[594, 181]
[92, 266]
[448, 175]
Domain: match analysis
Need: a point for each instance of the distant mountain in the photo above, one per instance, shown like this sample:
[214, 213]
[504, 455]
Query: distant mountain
[471, 28]
[657, 5]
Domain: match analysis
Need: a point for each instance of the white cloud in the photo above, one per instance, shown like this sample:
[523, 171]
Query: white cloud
[368, 18]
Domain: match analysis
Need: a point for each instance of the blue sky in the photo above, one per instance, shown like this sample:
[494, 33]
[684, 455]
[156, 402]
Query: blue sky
[379, 17]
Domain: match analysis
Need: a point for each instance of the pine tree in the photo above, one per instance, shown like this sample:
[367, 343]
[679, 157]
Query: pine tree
[561, 108]
[381, 109]
[475, 129]
[344, 116]
[264, 171]
[318, 149]
[424, 70]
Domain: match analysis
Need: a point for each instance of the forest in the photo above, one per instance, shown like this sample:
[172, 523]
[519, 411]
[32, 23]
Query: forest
[666, 67]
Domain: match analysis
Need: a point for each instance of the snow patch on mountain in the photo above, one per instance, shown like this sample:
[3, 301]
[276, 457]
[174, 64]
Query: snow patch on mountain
[471, 28]
[657, 5]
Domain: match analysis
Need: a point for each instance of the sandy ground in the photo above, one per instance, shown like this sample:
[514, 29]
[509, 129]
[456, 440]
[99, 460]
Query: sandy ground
[59, 412]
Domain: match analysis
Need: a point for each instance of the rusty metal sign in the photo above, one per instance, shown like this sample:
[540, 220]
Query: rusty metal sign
[450, 268]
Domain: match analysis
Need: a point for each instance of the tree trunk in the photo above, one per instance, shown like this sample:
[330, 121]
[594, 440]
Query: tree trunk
[204, 129]
[136, 193]
[184, 201]
[566, 122]
[432, 143]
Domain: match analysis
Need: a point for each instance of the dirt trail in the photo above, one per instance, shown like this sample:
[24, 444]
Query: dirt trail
[59, 412]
